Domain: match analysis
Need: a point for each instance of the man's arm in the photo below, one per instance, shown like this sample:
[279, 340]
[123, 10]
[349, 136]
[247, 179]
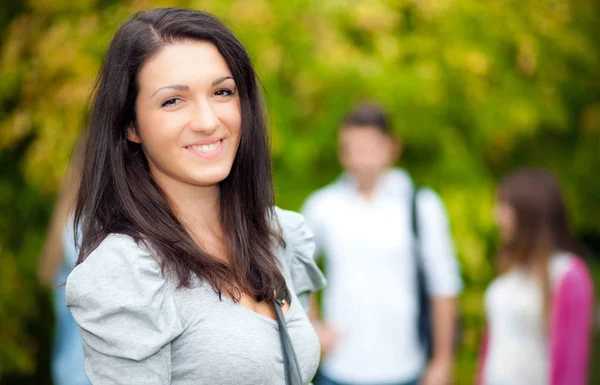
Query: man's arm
[313, 216]
[444, 314]
[327, 334]
[443, 284]
[441, 367]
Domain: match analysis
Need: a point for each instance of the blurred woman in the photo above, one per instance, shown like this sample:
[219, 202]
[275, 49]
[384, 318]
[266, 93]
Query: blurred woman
[539, 308]
[187, 272]
[56, 262]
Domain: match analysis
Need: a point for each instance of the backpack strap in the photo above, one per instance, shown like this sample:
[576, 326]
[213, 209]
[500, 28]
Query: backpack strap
[414, 216]
[424, 320]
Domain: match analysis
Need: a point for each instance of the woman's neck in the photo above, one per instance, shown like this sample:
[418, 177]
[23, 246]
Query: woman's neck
[198, 210]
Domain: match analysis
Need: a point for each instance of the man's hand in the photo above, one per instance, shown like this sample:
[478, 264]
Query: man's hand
[438, 372]
[328, 336]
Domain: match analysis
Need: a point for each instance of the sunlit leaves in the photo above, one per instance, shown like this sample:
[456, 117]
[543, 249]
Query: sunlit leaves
[475, 89]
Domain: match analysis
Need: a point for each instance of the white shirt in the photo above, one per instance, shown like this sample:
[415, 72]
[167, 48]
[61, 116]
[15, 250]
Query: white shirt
[372, 295]
[519, 352]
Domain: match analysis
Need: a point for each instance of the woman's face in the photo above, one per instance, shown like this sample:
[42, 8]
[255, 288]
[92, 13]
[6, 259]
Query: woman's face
[188, 115]
[506, 220]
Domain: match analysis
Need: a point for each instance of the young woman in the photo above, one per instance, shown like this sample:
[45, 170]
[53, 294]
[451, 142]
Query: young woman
[539, 308]
[57, 259]
[182, 251]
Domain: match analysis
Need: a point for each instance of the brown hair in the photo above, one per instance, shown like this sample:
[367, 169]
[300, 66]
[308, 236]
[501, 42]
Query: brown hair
[541, 226]
[368, 114]
[119, 195]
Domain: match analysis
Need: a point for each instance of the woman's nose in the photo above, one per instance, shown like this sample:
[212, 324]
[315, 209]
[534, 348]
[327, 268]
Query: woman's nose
[204, 118]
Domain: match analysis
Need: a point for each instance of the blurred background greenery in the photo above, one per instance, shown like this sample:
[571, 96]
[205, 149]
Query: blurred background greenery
[476, 88]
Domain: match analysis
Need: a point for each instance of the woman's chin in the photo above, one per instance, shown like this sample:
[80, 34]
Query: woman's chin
[212, 176]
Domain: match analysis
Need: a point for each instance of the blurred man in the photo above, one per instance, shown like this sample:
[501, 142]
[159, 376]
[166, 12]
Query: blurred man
[362, 224]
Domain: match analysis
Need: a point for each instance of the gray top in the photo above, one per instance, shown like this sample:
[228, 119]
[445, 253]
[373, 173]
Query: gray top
[138, 328]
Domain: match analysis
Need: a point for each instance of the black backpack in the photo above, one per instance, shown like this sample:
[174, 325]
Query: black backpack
[424, 322]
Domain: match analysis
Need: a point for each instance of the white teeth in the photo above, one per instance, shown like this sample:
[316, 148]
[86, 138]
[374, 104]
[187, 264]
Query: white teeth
[206, 147]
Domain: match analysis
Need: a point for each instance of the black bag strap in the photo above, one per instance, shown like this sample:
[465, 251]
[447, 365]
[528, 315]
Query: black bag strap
[424, 321]
[414, 217]
[290, 361]
[424, 299]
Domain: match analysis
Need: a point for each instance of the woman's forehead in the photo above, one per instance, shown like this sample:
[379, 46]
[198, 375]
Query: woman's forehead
[189, 63]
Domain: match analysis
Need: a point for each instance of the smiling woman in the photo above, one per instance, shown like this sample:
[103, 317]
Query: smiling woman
[188, 115]
[183, 254]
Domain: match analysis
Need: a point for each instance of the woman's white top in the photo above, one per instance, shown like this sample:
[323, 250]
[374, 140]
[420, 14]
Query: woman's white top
[518, 353]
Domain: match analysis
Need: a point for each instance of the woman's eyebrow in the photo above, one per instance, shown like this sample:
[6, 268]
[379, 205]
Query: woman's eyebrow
[221, 80]
[183, 87]
[178, 87]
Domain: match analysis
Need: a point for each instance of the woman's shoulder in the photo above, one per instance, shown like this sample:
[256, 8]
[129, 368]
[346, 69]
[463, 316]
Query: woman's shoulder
[298, 254]
[570, 276]
[117, 256]
[566, 264]
[298, 239]
[121, 300]
[291, 224]
[119, 272]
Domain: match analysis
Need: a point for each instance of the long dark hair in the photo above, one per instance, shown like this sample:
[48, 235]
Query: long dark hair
[119, 195]
[541, 227]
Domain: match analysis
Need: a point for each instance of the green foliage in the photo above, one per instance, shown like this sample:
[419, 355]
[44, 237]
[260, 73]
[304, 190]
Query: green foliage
[476, 88]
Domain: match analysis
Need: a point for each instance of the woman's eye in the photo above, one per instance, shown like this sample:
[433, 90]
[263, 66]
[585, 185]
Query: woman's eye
[223, 92]
[170, 102]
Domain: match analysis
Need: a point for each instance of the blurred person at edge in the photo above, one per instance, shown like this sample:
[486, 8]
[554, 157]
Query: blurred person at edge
[56, 262]
[539, 307]
[362, 225]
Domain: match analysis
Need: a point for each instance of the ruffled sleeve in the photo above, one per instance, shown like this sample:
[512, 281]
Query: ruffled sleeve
[299, 256]
[126, 314]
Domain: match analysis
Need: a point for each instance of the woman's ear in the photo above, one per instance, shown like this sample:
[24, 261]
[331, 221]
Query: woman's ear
[132, 135]
[396, 145]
